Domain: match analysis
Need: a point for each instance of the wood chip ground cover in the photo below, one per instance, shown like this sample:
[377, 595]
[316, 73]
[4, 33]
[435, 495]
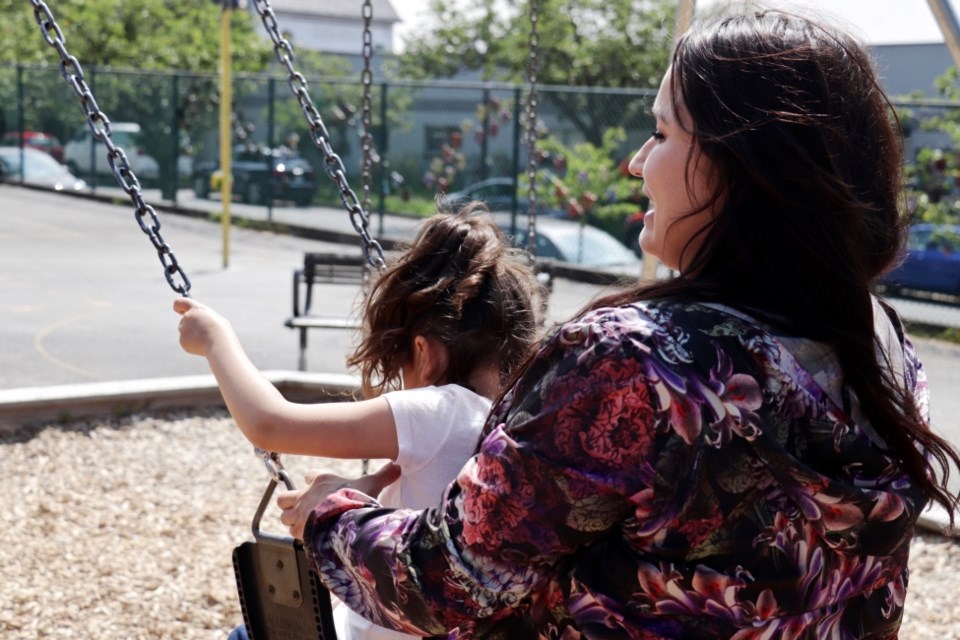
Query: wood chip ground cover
[124, 528]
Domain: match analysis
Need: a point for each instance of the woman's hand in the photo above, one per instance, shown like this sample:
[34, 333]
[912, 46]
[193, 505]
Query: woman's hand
[298, 504]
[200, 326]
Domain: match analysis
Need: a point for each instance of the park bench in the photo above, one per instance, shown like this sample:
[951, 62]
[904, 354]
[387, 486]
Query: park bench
[351, 270]
[322, 268]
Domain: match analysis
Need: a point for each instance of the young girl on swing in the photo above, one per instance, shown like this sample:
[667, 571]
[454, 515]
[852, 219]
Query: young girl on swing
[444, 326]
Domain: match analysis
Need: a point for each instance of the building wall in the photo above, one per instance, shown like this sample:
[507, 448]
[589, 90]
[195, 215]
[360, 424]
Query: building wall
[906, 68]
[342, 36]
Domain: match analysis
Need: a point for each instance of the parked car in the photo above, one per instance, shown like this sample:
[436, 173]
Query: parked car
[39, 168]
[258, 174]
[46, 142]
[574, 243]
[497, 193]
[84, 158]
[931, 263]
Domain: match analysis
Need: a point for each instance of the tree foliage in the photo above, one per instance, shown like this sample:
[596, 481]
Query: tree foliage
[118, 43]
[619, 44]
[933, 177]
[609, 43]
[154, 62]
[132, 34]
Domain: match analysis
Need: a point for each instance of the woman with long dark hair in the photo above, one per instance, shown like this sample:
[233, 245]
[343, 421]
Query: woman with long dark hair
[740, 452]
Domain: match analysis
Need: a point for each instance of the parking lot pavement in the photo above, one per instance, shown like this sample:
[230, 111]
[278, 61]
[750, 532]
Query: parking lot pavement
[83, 297]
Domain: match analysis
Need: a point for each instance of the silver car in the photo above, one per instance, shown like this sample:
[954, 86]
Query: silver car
[573, 243]
[37, 168]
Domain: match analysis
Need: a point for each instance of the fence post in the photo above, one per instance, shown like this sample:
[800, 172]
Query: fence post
[382, 144]
[271, 143]
[484, 141]
[94, 182]
[515, 169]
[20, 117]
[174, 181]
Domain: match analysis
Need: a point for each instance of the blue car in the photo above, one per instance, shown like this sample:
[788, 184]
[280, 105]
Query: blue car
[932, 262]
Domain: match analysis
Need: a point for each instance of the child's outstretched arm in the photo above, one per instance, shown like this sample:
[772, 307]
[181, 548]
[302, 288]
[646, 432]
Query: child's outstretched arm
[363, 429]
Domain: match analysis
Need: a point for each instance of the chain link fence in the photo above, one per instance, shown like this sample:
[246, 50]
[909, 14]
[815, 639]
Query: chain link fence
[440, 137]
[429, 139]
[473, 129]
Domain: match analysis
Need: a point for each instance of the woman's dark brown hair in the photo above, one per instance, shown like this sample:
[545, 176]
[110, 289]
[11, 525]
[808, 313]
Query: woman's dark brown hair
[808, 155]
[461, 284]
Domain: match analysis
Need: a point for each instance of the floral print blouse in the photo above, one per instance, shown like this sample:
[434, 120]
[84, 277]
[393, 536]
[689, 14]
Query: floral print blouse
[661, 470]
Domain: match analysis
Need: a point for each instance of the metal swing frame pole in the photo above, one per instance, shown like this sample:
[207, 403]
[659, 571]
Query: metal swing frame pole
[685, 11]
[947, 21]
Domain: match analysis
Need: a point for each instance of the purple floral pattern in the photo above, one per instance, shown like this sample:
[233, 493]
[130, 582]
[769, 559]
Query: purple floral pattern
[661, 470]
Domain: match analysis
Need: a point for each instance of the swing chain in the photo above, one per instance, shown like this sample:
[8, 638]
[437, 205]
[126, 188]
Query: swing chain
[274, 467]
[366, 119]
[333, 165]
[531, 128]
[119, 165]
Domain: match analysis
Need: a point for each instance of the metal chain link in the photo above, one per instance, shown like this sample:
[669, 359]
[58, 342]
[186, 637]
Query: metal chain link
[366, 119]
[333, 165]
[190, 107]
[531, 128]
[119, 165]
[274, 467]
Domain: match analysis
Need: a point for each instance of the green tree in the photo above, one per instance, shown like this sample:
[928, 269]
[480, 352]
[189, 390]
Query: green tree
[592, 43]
[141, 45]
[132, 34]
[587, 183]
[130, 39]
[584, 43]
[933, 177]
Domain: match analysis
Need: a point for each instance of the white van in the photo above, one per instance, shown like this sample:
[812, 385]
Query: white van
[80, 160]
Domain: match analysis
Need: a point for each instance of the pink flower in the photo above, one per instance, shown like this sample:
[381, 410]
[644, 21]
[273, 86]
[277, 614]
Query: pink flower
[888, 507]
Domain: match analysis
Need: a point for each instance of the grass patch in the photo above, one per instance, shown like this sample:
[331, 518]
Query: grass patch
[933, 332]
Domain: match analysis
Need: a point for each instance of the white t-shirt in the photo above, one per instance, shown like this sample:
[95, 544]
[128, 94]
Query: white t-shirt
[437, 432]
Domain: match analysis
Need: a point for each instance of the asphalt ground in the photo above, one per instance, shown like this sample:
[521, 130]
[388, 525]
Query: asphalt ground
[83, 298]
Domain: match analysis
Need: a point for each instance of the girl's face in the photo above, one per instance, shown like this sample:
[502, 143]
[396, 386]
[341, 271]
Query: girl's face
[675, 191]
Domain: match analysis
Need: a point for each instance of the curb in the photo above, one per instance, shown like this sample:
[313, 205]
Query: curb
[937, 519]
[63, 403]
[31, 405]
[350, 238]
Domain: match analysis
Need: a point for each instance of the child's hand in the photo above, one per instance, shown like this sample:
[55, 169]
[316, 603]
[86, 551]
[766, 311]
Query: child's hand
[200, 326]
[298, 504]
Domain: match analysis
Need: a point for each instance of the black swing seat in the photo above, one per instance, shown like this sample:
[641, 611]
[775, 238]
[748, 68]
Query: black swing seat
[280, 595]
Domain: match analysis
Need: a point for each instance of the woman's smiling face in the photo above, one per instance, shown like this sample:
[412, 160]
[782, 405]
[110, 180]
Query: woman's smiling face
[677, 194]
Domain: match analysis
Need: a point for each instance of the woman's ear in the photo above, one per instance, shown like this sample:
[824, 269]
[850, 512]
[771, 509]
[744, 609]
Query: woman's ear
[430, 359]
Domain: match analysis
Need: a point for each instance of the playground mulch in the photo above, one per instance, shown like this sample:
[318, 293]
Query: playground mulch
[124, 528]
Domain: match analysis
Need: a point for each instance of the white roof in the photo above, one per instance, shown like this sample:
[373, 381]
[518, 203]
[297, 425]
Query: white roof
[383, 11]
